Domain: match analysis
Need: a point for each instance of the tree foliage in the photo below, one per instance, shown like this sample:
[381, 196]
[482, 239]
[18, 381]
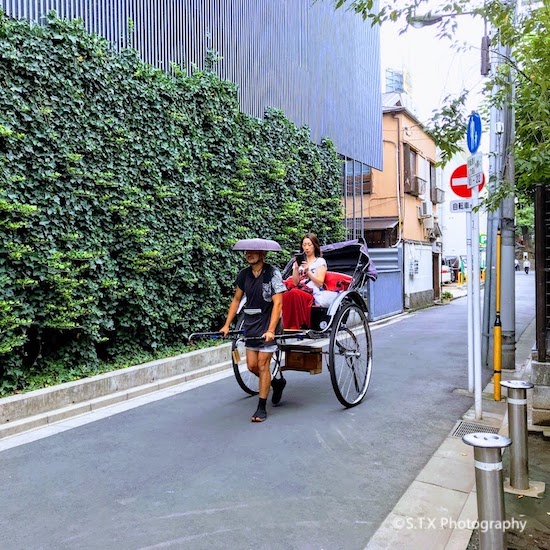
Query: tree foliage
[526, 71]
[532, 105]
[122, 190]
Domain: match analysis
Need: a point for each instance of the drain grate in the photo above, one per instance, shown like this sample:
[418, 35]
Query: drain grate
[463, 428]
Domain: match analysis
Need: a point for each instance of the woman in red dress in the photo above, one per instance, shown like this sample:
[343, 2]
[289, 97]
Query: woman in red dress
[308, 279]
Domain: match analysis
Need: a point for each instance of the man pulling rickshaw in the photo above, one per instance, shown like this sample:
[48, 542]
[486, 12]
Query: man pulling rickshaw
[337, 333]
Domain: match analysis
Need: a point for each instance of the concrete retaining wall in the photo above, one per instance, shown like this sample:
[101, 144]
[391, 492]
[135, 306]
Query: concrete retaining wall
[42, 401]
[540, 377]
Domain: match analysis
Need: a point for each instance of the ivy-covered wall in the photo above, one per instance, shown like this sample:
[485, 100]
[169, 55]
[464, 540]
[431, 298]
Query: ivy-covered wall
[122, 190]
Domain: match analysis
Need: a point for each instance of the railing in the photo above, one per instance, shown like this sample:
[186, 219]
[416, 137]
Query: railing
[415, 186]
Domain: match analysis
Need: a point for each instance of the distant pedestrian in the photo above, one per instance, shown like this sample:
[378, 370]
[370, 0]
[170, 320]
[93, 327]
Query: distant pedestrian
[526, 266]
[516, 264]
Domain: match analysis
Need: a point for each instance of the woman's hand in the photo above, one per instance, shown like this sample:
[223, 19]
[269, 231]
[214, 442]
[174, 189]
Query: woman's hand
[269, 336]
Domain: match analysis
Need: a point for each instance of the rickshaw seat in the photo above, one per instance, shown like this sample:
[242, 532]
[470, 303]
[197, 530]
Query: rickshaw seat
[333, 281]
[337, 281]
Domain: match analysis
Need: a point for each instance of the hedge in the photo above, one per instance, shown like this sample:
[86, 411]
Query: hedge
[122, 190]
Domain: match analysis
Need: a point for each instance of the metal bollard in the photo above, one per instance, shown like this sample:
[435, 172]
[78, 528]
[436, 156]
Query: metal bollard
[517, 421]
[490, 494]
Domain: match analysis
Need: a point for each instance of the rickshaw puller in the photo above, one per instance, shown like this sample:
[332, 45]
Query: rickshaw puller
[263, 286]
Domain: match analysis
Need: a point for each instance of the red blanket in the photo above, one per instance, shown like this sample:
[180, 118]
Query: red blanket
[297, 309]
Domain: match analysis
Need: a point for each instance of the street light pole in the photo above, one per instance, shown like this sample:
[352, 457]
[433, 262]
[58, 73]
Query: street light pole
[419, 21]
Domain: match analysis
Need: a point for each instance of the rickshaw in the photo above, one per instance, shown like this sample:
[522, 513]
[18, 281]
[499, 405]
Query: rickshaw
[339, 335]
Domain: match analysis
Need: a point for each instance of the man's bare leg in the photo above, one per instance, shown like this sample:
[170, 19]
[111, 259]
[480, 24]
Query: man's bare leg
[259, 362]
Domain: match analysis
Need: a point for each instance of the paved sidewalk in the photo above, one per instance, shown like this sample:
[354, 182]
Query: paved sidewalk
[439, 510]
[455, 289]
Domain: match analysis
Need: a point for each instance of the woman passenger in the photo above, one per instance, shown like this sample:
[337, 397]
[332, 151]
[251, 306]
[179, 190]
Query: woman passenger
[308, 280]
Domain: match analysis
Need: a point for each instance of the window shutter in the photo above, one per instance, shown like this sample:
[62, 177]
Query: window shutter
[407, 176]
[432, 175]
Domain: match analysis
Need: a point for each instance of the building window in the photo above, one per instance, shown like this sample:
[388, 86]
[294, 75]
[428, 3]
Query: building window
[413, 184]
[356, 181]
[437, 195]
[343, 177]
[381, 238]
[433, 177]
[357, 176]
[366, 179]
[350, 188]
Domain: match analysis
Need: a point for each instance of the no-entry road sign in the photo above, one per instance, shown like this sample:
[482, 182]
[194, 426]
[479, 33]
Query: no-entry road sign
[459, 182]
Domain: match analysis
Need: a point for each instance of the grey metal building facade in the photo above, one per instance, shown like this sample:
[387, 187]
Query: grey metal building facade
[318, 65]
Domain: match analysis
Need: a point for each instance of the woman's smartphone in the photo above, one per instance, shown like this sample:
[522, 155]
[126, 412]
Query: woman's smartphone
[300, 258]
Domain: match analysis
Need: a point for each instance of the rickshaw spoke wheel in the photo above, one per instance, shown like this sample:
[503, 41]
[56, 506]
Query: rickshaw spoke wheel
[247, 380]
[350, 354]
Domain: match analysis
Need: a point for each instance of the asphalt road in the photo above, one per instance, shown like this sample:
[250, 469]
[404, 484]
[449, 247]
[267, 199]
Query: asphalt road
[191, 471]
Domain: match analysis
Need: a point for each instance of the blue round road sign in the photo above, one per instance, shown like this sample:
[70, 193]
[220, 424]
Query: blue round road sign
[473, 133]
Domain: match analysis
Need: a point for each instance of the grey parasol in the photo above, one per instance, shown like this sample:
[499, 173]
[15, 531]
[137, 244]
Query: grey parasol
[266, 245]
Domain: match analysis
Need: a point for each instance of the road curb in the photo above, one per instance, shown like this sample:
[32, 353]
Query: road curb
[23, 412]
[439, 509]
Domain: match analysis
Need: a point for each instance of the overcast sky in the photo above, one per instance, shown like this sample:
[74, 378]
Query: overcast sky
[436, 69]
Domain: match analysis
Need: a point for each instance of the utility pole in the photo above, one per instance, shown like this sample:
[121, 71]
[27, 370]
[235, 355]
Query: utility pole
[501, 169]
[507, 228]
[493, 217]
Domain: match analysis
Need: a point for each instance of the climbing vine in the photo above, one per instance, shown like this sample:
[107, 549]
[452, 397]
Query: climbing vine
[122, 190]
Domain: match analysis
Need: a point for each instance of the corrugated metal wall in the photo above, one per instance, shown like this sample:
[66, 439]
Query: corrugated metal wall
[385, 295]
[320, 66]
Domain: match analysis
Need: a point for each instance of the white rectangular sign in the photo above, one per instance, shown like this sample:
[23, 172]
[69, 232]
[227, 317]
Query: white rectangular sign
[475, 169]
[463, 205]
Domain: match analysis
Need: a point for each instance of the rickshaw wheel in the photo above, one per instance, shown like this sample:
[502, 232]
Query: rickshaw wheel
[247, 380]
[350, 354]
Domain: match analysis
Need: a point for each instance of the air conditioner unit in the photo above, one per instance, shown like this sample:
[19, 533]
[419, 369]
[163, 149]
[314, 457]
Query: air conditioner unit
[428, 222]
[423, 211]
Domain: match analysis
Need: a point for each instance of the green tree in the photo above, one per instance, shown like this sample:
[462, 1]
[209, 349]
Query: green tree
[532, 105]
[527, 69]
[525, 224]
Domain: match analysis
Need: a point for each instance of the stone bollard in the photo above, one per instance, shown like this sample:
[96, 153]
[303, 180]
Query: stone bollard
[490, 494]
[517, 422]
